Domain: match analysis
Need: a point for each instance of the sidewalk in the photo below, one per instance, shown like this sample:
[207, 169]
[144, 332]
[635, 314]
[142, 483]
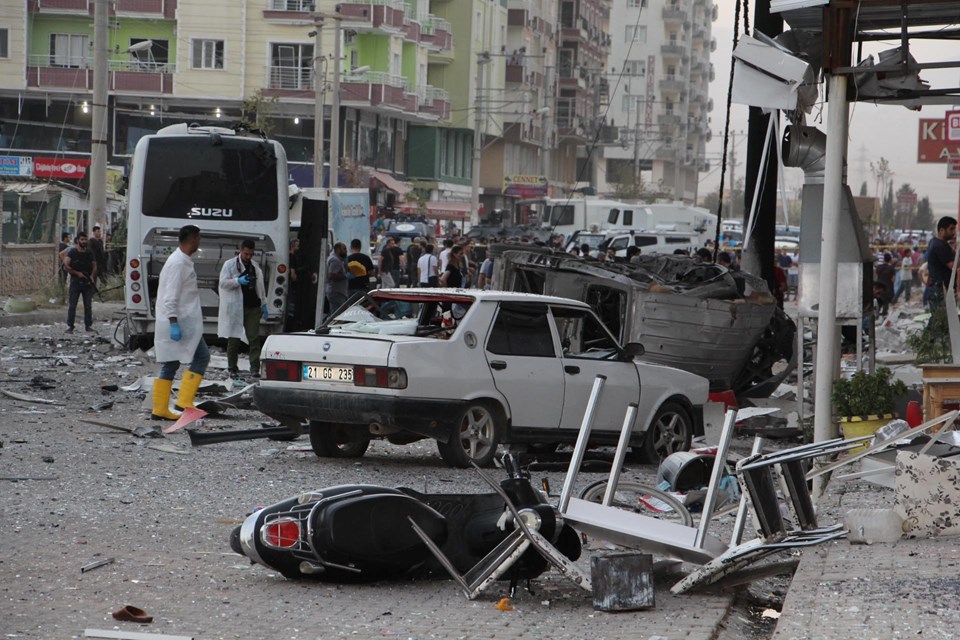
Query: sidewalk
[102, 312]
[843, 591]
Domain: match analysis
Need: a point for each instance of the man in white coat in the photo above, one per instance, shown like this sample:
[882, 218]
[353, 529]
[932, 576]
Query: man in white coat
[243, 305]
[178, 333]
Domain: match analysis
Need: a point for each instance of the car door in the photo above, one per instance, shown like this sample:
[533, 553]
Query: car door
[589, 350]
[523, 360]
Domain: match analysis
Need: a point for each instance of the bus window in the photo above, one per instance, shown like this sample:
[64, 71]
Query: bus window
[561, 214]
[195, 178]
[644, 241]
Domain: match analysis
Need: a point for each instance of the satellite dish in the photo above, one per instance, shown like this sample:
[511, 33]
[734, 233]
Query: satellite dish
[146, 45]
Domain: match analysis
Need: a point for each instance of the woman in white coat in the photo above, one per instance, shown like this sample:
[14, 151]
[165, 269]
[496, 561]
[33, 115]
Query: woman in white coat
[178, 333]
[243, 305]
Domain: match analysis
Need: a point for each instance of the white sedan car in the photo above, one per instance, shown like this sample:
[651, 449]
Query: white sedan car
[471, 369]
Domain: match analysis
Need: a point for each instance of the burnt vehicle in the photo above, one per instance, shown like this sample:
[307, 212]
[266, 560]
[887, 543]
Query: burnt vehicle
[699, 317]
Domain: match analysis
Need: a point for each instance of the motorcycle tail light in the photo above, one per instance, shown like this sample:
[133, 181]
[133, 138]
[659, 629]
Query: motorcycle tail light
[281, 533]
[283, 370]
[384, 377]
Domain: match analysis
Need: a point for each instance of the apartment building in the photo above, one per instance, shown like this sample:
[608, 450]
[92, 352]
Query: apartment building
[659, 73]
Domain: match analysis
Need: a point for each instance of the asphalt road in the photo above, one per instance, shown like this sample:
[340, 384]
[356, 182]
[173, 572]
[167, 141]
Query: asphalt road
[75, 493]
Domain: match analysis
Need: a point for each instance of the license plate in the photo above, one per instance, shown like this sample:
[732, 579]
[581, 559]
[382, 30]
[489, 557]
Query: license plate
[326, 373]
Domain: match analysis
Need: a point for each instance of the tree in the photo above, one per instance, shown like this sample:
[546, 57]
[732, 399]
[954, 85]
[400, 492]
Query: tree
[863, 188]
[888, 209]
[732, 202]
[904, 215]
[882, 174]
[627, 187]
[256, 112]
[923, 218]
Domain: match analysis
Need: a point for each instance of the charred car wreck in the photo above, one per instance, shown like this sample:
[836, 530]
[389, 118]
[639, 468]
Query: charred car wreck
[703, 318]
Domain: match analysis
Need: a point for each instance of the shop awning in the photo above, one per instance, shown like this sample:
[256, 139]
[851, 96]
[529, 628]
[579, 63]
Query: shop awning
[387, 181]
[23, 188]
[441, 209]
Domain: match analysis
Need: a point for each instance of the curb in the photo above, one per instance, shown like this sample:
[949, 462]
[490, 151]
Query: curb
[103, 312]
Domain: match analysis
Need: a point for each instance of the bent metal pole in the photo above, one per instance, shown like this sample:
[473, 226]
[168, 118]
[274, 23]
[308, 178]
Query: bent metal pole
[823, 426]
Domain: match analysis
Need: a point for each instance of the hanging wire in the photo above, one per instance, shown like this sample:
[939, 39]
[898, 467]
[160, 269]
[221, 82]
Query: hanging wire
[726, 127]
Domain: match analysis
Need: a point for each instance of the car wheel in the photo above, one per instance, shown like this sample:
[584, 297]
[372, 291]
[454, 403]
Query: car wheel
[670, 431]
[474, 438]
[336, 441]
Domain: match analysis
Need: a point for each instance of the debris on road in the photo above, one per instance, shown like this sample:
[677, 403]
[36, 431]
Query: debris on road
[24, 398]
[96, 564]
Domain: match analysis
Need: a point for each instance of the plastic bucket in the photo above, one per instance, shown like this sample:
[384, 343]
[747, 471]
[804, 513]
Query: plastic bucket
[686, 470]
[858, 426]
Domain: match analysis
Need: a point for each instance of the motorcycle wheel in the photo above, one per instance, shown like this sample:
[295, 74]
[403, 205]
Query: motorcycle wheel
[474, 438]
[642, 499]
[336, 441]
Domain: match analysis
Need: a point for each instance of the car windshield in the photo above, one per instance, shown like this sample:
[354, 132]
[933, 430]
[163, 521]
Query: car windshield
[402, 314]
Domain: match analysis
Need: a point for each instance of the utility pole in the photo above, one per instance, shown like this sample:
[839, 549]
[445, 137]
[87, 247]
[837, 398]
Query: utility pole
[335, 108]
[98, 132]
[733, 165]
[318, 97]
[545, 123]
[482, 58]
[636, 143]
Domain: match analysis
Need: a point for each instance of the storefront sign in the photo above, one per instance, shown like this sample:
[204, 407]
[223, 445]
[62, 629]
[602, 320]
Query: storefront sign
[523, 186]
[69, 168]
[21, 166]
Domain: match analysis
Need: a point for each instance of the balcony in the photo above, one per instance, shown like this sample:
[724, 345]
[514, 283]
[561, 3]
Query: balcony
[437, 34]
[674, 15]
[124, 76]
[289, 9]
[290, 82]
[666, 152]
[154, 8]
[673, 49]
[60, 6]
[434, 102]
[672, 85]
[375, 88]
[386, 15]
[668, 120]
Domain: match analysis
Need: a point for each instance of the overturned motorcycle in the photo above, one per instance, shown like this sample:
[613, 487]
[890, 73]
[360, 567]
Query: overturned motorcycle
[360, 533]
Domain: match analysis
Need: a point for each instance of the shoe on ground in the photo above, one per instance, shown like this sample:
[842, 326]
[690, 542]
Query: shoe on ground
[90, 330]
[255, 375]
[69, 330]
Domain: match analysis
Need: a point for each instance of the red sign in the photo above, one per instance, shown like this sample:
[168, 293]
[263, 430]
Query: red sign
[933, 145]
[70, 168]
[953, 126]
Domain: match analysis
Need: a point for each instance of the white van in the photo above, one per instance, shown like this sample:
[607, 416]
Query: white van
[657, 241]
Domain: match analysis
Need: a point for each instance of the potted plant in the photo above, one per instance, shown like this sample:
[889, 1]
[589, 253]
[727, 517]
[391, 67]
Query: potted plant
[866, 401]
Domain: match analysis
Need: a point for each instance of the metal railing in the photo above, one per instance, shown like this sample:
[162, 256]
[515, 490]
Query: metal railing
[377, 77]
[291, 78]
[86, 62]
[291, 5]
[428, 94]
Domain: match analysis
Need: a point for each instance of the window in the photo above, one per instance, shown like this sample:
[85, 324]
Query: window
[4, 43]
[636, 33]
[521, 330]
[582, 335]
[610, 305]
[635, 4]
[561, 214]
[207, 54]
[68, 50]
[635, 68]
[291, 66]
[628, 217]
[292, 5]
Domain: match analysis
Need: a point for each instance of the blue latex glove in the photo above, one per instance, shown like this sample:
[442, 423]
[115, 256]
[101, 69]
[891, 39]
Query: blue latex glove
[175, 334]
[349, 275]
[243, 280]
[263, 312]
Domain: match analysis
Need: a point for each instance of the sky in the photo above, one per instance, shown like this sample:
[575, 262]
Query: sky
[889, 132]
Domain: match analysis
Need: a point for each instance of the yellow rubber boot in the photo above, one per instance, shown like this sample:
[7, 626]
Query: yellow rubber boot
[188, 389]
[161, 400]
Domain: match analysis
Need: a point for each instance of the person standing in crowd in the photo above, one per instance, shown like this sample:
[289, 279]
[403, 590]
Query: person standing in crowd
[414, 251]
[940, 260]
[178, 333]
[82, 267]
[388, 263]
[427, 268]
[885, 274]
[445, 254]
[243, 306]
[485, 277]
[359, 268]
[61, 272]
[99, 251]
[453, 275]
[904, 277]
[336, 287]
